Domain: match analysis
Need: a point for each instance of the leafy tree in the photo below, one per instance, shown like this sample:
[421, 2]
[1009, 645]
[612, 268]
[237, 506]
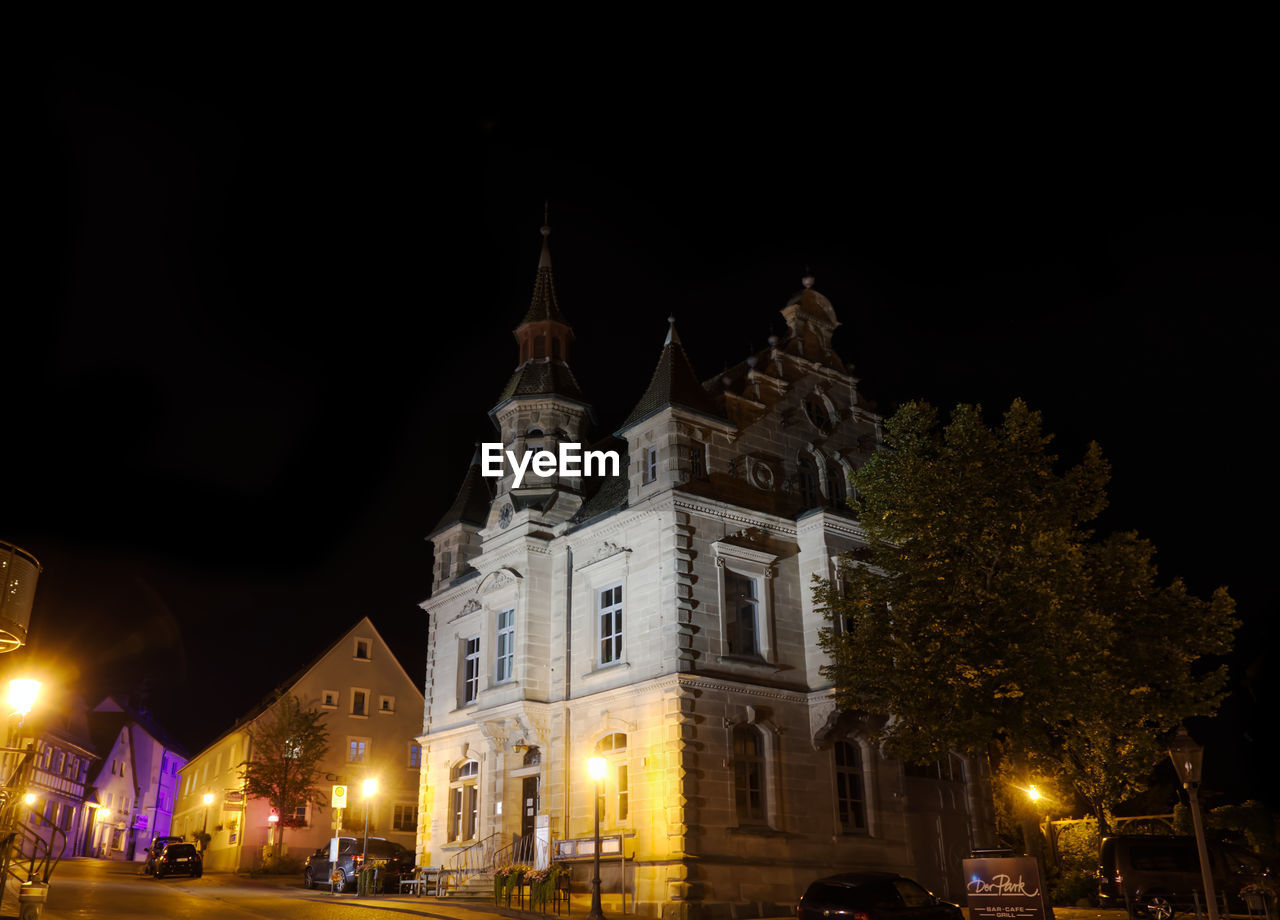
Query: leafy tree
[986, 616]
[286, 748]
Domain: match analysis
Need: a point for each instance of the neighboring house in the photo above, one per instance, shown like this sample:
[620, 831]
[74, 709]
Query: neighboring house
[663, 619]
[154, 762]
[63, 760]
[373, 711]
[115, 788]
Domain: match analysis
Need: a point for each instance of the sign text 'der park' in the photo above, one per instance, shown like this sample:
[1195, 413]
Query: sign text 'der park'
[569, 459]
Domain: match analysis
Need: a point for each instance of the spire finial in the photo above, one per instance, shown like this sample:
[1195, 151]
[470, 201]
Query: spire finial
[544, 260]
[808, 278]
[672, 335]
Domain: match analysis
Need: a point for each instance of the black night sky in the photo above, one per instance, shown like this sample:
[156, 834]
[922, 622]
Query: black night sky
[258, 314]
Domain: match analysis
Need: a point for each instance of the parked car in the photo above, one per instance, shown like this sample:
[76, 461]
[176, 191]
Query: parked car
[1161, 875]
[393, 861]
[179, 859]
[158, 843]
[873, 896]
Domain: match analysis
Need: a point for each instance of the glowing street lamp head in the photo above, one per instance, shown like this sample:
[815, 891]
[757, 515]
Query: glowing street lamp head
[22, 694]
[596, 768]
[370, 787]
[1033, 793]
[29, 798]
[208, 798]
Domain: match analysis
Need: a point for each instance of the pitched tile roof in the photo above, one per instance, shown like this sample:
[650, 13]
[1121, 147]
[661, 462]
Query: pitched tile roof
[673, 384]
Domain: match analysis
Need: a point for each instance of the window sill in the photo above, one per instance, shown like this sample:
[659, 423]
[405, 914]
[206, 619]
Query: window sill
[599, 669]
[756, 830]
[754, 661]
[386, 712]
[358, 658]
[358, 715]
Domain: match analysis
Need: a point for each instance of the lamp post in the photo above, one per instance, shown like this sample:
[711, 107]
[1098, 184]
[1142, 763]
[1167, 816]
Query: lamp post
[1188, 762]
[208, 800]
[370, 789]
[596, 769]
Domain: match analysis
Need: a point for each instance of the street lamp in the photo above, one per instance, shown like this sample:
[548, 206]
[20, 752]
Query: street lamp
[22, 695]
[1188, 761]
[596, 768]
[370, 789]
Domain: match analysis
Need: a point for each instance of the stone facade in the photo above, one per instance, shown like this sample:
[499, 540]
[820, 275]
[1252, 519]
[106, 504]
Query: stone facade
[664, 619]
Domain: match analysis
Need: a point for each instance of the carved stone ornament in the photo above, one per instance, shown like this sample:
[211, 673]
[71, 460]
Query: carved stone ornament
[496, 580]
[604, 551]
[471, 606]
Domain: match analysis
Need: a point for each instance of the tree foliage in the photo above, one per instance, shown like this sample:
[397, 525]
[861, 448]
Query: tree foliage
[286, 749]
[986, 615]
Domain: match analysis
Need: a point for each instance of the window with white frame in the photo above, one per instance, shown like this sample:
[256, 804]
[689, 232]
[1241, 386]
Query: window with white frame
[387, 704]
[650, 464]
[404, 818]
[359, 701]
[505, 654]
[742, 614]
[329, 699]
[415, 754]
[746, 617]
[610, 621]
[298, 818]
[851, 800]
[470, 670]
[748, 774]
[464, 801]
[357, 750]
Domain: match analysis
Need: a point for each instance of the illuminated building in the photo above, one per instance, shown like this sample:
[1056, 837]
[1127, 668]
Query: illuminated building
[663, 619]
[373, 711]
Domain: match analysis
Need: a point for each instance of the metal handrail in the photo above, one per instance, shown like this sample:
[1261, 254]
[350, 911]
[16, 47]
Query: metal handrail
[473, 860]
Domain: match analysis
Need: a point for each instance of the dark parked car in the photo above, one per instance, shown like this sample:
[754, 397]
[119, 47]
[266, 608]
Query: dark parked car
[873, 896]
[179, 859]
[392, 860]
[1158, 875]
[158, 843]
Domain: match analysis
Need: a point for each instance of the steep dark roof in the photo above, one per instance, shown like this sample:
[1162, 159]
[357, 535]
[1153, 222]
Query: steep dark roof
[610, 491]
[673, 384]
[542, 377]
[471, 505]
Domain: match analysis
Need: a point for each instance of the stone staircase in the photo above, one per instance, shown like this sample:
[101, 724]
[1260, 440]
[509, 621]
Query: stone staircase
[477, 887]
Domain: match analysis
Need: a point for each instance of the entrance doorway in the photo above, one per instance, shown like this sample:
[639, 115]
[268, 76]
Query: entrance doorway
[528, 805]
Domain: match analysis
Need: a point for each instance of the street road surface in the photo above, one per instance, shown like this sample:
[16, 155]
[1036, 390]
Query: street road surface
[98, 889]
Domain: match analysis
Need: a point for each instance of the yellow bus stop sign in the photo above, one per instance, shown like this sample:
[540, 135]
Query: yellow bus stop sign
[339, 797]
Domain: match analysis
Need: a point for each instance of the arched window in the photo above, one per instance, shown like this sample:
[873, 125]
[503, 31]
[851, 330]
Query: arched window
[851, 801]
[748, 774]
[836, 486]
[810, 496]
[614, 747]
[464, 800]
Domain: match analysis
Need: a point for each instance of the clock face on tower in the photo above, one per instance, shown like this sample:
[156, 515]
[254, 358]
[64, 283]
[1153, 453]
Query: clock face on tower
[504, 515]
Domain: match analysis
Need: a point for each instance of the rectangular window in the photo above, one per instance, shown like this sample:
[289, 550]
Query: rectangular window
[405, 818]
[471, 670]
[386, 704]
[650, 464]
[697, 462]
[362, 650]
[623, 793]
[415, 755]
[330, 698]
[850, 799]
[357, 748]
[359, 699]
[299, 817]
[741, 618]
[610, 625]
[446, 564]
[465, 812]
[506, 644]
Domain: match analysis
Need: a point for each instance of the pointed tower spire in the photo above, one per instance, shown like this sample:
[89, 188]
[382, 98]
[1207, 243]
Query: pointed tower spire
[674, 383]
[545, 337]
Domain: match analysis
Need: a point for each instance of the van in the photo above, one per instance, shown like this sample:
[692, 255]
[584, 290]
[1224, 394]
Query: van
[1158, 876]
